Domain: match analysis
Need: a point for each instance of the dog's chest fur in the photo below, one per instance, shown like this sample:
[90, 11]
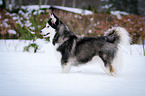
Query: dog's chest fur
[56, 53]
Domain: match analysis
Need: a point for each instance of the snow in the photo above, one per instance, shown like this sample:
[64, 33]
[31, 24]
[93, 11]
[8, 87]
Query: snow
[32, 28]
[90, 31]
[70, 9]
[95, 24]
[26, 15]
[16, 18]
[1, 2]
[118, 13]
[107, 6]
[19, 21]
[13, 14]
[75, 10]
[5, 24]
[105, 0]
[35, 7]
[91, 19]
[39, 74]
[6, 20]
[28, 23]
[10, 31]
[141, 29]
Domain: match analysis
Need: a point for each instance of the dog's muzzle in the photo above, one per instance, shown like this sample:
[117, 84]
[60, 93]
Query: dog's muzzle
[44, 35]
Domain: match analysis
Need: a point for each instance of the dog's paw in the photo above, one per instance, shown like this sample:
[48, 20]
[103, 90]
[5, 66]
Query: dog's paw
[66, 68]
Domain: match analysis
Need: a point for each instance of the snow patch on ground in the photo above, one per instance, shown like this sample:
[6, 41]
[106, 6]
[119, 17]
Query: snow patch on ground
[10, 31]
[118, 13]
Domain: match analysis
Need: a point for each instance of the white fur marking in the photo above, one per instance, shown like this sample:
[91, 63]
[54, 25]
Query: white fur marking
[51, 35]
[53, 18]
[66, 68]
[124, 41]
[48, 30]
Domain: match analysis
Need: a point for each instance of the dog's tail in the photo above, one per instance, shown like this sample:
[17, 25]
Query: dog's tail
[120, 37]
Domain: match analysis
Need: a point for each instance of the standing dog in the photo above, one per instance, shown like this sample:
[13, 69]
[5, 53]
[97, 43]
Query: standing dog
[76, 50]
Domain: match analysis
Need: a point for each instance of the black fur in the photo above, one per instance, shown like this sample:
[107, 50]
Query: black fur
[65, 49]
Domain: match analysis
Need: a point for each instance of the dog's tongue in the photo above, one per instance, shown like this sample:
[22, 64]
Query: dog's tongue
[43, 37]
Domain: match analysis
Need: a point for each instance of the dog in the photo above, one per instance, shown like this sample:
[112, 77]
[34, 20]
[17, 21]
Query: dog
[77, 50]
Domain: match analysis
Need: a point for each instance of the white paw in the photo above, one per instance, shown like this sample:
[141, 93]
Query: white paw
[66, 68]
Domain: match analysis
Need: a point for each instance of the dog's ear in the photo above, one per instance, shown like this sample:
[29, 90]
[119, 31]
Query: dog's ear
[53, 21]
[53, 17]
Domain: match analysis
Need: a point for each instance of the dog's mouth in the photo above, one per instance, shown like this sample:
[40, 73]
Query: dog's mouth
[46, 35]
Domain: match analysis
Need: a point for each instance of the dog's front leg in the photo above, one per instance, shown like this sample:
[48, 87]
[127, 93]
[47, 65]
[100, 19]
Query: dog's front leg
[66, 67]
[65, 62]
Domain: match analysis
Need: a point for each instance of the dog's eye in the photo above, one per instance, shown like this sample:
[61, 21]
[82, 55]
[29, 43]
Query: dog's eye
[47, 26]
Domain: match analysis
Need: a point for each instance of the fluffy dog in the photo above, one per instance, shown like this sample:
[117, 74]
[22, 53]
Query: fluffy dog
[75, 50]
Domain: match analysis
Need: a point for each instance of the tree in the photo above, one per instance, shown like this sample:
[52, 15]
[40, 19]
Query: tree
[63, 2]
[125, 5]
[2, 4]
[46, 1]
[20, 3]
[141, 7]
[74, 3]
[40, 2]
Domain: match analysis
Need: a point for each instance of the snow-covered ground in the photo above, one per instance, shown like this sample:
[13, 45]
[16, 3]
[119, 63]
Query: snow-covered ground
[39, 74]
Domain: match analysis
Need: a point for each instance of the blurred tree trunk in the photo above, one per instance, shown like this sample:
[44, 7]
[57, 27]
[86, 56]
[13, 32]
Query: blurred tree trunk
[130, 6]
[46, 1]
[40, 3]
[7, 3]
[3, 6]
[13, 3]
[74, 3]
[20, 3]
[141, 7]
[63, 3]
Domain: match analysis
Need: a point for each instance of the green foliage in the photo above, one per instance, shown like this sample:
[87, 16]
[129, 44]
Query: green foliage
[24, 32]
[25, 10]
[33, 45]
[44, 10]
[35, 20]
[14, 10]
[28, 34]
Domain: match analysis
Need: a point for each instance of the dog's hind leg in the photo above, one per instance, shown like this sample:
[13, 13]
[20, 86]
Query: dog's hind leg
[107, 60]
[110, 69]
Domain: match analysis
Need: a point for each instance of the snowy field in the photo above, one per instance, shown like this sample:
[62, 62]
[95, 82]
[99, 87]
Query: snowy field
[39, 74]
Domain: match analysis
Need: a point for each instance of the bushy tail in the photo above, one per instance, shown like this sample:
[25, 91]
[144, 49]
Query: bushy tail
[120, 37]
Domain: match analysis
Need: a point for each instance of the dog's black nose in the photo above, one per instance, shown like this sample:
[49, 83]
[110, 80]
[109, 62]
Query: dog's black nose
[40, 31]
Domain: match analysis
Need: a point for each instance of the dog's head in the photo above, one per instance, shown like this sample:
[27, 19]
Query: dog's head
[51, 25]
[56, 30]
